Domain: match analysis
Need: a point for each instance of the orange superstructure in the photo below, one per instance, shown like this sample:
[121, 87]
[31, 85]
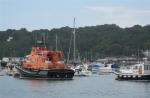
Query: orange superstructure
[41, 58]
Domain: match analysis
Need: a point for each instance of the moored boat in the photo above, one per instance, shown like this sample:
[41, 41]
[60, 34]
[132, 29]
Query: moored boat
[105, 69]
[108, 68]
[136, 72]
[43, 63]
[94, 67]
[81, 70]
[4, 62]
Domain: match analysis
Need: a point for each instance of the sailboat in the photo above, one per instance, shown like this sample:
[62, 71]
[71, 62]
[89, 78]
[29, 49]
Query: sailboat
[80, 69]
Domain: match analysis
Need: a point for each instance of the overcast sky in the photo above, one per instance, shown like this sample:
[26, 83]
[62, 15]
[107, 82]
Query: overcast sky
[48, 14]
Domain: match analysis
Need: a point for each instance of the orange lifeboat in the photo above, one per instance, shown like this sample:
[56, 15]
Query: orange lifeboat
[43, 63]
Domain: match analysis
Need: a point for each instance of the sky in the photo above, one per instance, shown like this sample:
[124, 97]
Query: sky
[48, 14]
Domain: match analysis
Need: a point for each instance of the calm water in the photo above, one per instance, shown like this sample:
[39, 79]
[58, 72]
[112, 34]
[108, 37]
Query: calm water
[96, 86]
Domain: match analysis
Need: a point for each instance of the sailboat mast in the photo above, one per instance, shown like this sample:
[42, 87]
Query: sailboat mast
[74, 51]
[69, 49]
[56, 41]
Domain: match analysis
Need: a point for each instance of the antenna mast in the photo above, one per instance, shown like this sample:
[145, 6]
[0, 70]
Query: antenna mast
[74, 52]
[44, 40]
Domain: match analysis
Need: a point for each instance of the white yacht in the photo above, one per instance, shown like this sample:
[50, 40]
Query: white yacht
[94, 67]
[81, 70]
[105, 69]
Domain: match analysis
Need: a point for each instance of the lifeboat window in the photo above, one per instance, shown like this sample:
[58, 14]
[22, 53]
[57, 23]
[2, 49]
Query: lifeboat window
[32, 59]
[49, 58]
[58, 76]
[146, 67]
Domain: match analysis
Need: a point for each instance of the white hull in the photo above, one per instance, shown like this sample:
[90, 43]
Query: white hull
[105, 71]
[83, 73]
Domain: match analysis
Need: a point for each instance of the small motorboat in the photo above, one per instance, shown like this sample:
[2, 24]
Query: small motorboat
[4, 62]
[81, 70]
[10, 69]
[106, 69]
[94, 67]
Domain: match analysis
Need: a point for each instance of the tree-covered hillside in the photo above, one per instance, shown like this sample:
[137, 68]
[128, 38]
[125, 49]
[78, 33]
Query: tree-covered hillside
[91, 41]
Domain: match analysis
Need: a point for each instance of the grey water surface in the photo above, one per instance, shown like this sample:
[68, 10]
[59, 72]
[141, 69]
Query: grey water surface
[95, 86]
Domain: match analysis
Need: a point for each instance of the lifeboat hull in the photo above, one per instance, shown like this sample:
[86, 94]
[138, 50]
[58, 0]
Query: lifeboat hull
[46, 73]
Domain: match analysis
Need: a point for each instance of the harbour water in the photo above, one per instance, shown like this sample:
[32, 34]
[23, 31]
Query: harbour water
[95, 86]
